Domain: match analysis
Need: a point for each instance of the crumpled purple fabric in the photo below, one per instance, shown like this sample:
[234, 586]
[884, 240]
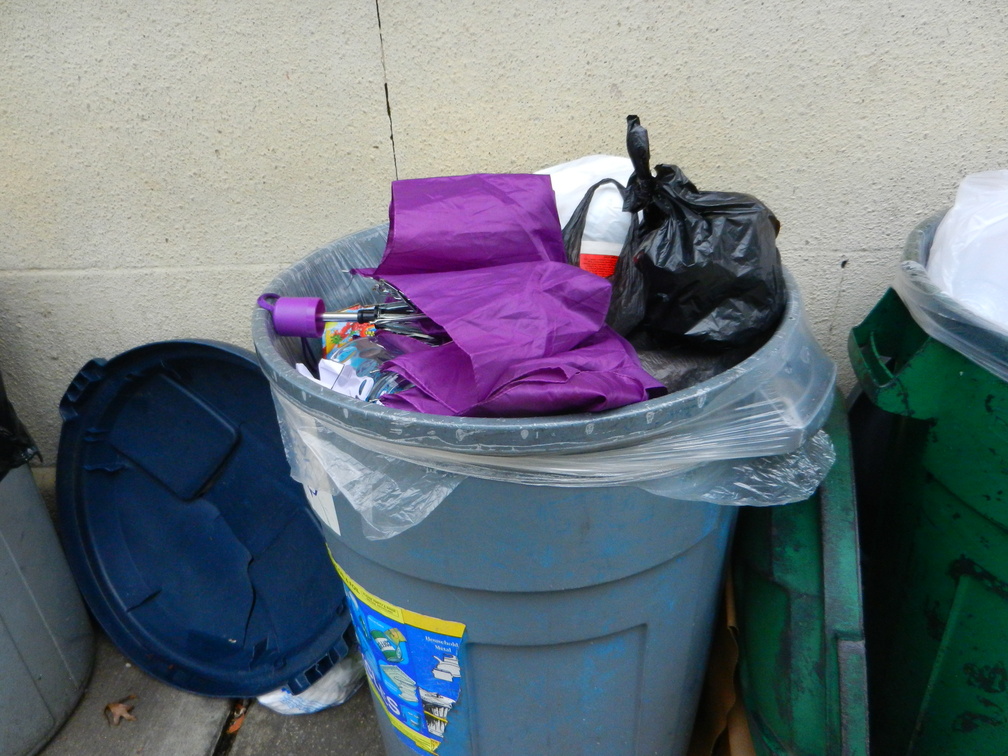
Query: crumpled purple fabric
[464, 222]
[528, 334]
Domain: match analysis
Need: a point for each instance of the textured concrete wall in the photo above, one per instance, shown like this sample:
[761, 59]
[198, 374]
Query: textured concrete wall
[160, 164]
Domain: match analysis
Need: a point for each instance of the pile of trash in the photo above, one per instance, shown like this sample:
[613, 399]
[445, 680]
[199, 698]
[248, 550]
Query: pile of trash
[587, 287]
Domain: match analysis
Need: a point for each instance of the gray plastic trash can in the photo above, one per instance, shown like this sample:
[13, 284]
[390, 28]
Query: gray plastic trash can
[522, 615]
[46, 641]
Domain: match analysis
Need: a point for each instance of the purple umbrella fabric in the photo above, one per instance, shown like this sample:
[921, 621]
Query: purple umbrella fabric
[528, 334]
[464, 222]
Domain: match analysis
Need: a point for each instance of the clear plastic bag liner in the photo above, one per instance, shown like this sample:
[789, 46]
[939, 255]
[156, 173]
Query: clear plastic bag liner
[749, 436]
[941, 316]
[968, 258]
[392, 494]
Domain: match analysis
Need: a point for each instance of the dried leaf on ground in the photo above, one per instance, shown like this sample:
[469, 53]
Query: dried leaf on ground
[237, 718]
[119, 710]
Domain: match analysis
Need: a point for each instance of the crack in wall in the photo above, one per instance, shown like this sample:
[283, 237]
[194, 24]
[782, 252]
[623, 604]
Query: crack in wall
[839, 296]
[388, 102]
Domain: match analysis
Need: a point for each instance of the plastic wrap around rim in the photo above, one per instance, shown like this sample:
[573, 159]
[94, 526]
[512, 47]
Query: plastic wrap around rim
[938, 314]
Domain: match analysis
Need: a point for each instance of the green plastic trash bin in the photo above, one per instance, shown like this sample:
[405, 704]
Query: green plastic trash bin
[935, 525]
[798, 607]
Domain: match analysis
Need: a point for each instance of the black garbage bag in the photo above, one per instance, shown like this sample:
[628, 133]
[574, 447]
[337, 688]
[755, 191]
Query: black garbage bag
[710, 272]
[683, 366]
[626, 307]
[16, 446]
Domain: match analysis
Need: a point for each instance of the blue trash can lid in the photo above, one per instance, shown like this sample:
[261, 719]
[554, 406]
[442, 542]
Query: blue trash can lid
[194, 548]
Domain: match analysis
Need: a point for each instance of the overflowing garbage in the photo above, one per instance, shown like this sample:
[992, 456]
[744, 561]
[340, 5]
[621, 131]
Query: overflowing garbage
[523, 329]
[484, 306]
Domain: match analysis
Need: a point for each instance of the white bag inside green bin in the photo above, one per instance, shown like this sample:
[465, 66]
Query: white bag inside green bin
[943, 316]
[969, 255]
[749, 436]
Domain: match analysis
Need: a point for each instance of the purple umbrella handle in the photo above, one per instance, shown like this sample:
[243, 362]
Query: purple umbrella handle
[295, 316]
[267, 300]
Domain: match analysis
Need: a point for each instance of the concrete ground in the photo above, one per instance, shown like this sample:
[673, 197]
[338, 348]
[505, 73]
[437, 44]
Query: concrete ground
[170, 722]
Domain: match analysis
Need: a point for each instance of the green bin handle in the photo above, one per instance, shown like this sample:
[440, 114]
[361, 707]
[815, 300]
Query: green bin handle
[881, 348]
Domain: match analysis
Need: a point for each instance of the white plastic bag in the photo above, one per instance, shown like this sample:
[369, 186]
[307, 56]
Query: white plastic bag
[969, 254]
[606, 224]
[332, 689]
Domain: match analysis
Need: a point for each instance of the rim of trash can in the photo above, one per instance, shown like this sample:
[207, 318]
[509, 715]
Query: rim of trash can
[943, 317]
[917, 249]
[580, 432]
